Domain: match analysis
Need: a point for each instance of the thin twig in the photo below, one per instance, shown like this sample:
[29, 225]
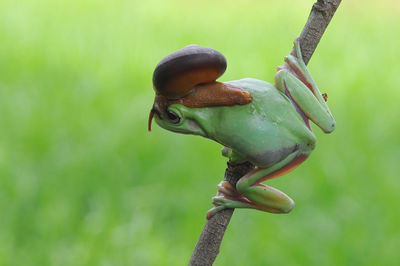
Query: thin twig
[207, 247]
[320, 16]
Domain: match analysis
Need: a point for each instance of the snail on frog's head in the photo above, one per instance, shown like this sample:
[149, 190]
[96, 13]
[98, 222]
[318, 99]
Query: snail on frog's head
[188, 76]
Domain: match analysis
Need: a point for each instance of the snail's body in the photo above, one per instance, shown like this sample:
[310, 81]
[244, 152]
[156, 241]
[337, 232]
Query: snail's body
[265, 124]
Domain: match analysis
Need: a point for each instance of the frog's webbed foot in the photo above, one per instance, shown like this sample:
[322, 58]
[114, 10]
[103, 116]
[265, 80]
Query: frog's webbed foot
[268, 199]
[227, 197]
[296, 66]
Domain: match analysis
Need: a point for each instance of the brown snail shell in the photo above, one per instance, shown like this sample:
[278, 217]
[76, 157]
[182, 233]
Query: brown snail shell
[188, 77]
[178, 73]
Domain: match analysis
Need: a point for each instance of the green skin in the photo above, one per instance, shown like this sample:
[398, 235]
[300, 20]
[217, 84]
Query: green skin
[272, 132]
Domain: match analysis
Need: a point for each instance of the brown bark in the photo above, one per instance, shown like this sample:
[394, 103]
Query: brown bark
[207, 247]
[320, 16]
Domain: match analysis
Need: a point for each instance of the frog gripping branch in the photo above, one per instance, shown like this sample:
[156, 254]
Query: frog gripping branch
[265, 124]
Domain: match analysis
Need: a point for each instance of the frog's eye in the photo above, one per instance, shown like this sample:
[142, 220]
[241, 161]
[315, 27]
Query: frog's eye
[173, 117]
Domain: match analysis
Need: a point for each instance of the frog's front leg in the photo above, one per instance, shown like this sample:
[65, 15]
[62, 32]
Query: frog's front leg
[294, 80]
[250, 193]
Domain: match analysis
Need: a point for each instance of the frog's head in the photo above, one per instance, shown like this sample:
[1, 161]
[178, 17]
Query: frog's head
[181, 119]
[185, 81]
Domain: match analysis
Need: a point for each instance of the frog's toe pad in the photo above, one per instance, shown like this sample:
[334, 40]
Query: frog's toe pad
[220, 200]
[213, 211]
[230, 202]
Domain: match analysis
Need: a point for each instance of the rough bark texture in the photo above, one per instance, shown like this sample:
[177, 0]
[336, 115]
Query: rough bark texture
[207, 248]
[320, 16]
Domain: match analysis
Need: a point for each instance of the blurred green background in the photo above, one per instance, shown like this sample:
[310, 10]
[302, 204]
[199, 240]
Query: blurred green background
[82, 182]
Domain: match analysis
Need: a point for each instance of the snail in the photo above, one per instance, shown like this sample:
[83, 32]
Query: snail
[188, 77]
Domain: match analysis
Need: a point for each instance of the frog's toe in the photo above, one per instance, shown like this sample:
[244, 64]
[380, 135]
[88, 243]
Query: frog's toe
[292, 61]
[225, 188]
[227, 202]
[297, 41]
[219, 200]
[221, 203]
[213, 211]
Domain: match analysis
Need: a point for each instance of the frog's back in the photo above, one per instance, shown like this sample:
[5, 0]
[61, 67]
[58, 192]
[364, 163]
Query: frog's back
[270, 128]
[268, 101]
[264, 93]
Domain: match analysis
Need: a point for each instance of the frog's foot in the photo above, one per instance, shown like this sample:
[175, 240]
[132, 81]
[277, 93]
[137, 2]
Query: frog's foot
[228, 197]
[296, 59]
[296, 66]
[225, 188]
[295, 81]
[250, 193]
[272, 200]
[224, 202]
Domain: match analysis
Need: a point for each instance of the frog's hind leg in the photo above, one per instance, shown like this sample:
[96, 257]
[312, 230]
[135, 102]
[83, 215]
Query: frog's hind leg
[228, 197]
[250, 193]
[231, 198]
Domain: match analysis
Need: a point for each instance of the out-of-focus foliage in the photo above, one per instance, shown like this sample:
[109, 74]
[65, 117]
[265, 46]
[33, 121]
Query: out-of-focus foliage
[83, 183]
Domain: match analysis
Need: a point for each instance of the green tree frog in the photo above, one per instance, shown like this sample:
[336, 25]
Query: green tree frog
[255, 121]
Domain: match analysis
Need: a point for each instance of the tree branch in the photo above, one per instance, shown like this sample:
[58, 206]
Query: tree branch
[207, 247]
[320, 16]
